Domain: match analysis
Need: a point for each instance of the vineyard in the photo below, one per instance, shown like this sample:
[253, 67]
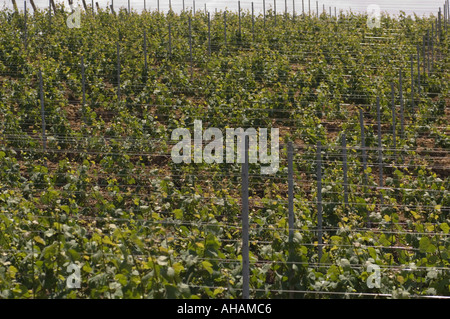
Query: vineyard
[87, 177]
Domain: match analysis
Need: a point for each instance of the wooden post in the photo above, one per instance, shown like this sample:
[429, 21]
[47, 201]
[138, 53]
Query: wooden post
[209, 34]
[319, 199]
[285, 9]
[293, 9]
[428, 51]
[245, 225]
[432, 47]
[364, 158]
[16, 10]
[239, 14]
[118, 71]
[291, 204]
[344, 168]
[412, 84]
[190, 43]
[439, 25]
[424, 56]
[380, 153]
[264, 12]
[49, 15]
[53, 6]
[394, 142]
[225, 27]
[253, 24]
[33, 5]
[25, 33]
[418, 68]
[170, 40]
[402, 119]
[83, 87]
[275, 11]
[145, 51]
[291, 191]
[41, 89]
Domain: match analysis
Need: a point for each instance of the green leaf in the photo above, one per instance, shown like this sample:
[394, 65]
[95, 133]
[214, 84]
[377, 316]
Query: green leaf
[384, 241]
[207, 266]
[425, 245]
[372, 252]
[39, 240]
[178, 213]
[74, 254]
[65, 208]
[12, 271]
[445, 228]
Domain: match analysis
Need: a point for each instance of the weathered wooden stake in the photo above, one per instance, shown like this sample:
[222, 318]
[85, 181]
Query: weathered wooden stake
[25, 33]
[291, 190]
[170, 40]
[412, 84]
[428, 51]
[33, 5]
[275, 11]
[402, 119]
[319, 198]
[253, 24]
[83, 87]
[394, 142]
[364, 158]
[239, 13]
[16, 10]
[264, 12]
[380, 153]
[418, 68]
[432, 47]
[293, 9]
[53, 6]
[190, 43]
[245, 225]
[424, 56]
[118, 71]
[344, 168]
[209, 34]
[41, 90]
[145, 51]
[225, 27]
